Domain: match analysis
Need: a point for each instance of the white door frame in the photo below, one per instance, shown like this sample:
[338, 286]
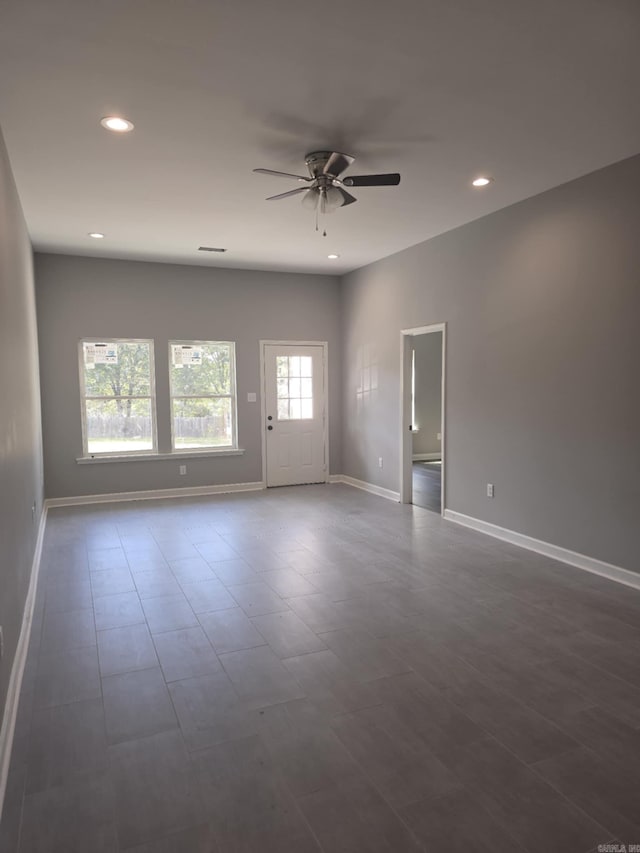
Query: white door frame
[263, 402]
[406, 437]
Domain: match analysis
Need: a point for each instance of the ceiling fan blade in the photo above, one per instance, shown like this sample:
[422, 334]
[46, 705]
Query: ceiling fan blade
[348, 198]
[281, 174]
[337, 163]
[286, 195]
[391, 180]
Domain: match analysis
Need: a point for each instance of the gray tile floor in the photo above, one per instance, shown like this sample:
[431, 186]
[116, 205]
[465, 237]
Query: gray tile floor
[317, 669]
[427, 485]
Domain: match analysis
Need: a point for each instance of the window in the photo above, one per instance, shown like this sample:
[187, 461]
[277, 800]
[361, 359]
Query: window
[295, 387]
[118, 396]
[203, 394]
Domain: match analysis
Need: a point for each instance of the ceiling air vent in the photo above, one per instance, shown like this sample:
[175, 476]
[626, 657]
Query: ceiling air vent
[210, 249]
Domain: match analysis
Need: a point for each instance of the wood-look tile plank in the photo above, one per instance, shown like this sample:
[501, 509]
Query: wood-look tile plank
[185, 653]
[364, 655]
[126, 649]
[457, 822]
[136, 704]
[601, 788]
[529, 809]
[230, 630]
[156, 787]
[210, 711]
[168, 613]
[65, 742]
[248, 805]
[66, 677]
[116, 611]
[207, 596]
[287, 634]
[328, 683]
[259, 677]
[352, 817]
[69, 630]
[73, 818]
[257, 599]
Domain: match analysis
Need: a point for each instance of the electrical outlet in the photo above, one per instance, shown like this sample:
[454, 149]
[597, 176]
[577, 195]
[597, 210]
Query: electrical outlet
[183, 469]
[379, 461]
[489, 490]
[1, 643]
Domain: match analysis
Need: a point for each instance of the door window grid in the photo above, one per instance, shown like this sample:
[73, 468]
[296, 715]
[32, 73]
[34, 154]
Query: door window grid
[294, 387]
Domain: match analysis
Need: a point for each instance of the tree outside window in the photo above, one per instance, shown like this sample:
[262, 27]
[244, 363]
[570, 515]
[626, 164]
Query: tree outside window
[118, 396]
[203, 394]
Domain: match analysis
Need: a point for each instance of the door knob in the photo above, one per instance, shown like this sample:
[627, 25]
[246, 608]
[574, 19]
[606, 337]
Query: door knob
[269, 418]
[269, 427]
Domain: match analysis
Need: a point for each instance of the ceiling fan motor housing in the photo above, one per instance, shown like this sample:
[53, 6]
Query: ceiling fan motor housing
[316, 162]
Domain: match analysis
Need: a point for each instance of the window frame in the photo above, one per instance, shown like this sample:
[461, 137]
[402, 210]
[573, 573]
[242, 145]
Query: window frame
[87, 454]
[209, 449]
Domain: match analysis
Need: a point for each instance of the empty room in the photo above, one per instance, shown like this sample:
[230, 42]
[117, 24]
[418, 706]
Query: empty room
[319, 418]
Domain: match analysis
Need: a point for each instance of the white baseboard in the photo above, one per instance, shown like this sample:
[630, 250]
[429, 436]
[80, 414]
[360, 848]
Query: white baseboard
[155, 494]
[564, 555]
[366, 487]
[17, 670]
[427, 457]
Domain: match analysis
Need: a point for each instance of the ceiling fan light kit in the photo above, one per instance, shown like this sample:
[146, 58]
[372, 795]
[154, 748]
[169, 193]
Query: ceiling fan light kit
[325, 189]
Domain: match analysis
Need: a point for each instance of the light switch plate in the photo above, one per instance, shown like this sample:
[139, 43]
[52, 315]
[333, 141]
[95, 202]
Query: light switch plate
[251, 397]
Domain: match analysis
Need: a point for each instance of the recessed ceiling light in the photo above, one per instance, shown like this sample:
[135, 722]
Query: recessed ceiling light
[482, 181]
[96, 235]
[333, 257]
[117, 124]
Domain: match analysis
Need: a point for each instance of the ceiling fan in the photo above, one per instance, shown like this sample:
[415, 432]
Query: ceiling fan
[325, 189]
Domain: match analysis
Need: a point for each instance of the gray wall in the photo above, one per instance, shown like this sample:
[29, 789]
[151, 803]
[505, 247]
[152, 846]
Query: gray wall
[20, 437]
[428, 392]
[92, 297]
[542, 302]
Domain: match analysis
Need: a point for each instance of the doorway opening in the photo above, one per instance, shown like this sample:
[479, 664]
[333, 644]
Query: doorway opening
[422, 422]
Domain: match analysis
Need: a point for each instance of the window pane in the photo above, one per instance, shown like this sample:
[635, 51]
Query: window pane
[295, 410]
[305, 365]
[294, 365]
[283, 410]
[282, 364]
[116, 426]
[306, 408]
[283, 389]
[202, 422]
[294, 387]
[306, 388]
[198, 369]
[129, 376]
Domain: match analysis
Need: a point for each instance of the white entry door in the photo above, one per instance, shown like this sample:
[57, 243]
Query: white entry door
[294, 395]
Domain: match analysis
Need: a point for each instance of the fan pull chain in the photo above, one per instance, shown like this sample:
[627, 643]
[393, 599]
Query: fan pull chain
[324, 232]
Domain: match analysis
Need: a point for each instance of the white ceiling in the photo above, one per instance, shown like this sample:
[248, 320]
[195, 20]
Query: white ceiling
[533, 92]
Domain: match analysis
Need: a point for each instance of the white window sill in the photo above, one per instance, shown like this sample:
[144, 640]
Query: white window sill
[145, 457]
